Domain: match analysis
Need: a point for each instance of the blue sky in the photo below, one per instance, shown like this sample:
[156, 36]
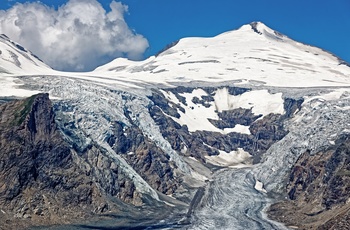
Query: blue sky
[322, 23]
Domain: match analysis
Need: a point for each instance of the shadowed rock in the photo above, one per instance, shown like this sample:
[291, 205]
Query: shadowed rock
[43, 179]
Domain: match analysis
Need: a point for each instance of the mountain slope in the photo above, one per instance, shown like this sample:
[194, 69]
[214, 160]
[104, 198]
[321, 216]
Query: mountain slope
[211, 128]
[15, 59]
[45, 179]
[318, 189]
[253, 53]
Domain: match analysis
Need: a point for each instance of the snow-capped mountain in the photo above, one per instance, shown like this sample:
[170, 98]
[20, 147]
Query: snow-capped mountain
[253, 53]
[214, 129]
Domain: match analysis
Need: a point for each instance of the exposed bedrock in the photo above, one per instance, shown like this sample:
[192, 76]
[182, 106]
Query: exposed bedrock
[145, 157]
[263, 130]
[45, 179]
[318, 189]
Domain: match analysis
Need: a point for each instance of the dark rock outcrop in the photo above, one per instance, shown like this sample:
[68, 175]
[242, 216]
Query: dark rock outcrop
[37, 172]
[318, 190]
[43, 179]
[264, 131]
[148, 160]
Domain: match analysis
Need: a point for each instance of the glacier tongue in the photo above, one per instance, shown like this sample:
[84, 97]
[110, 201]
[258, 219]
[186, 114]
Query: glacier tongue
[232, 201]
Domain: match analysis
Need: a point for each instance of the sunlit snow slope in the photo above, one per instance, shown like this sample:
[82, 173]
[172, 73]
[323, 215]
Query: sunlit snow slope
[253, 53]
[15, 59]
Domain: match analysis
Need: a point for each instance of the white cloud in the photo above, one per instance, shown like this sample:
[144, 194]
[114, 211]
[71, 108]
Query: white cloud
[78, 36]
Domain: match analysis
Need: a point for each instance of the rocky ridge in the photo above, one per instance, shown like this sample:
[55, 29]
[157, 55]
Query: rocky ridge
[318, 190]
[45, 179]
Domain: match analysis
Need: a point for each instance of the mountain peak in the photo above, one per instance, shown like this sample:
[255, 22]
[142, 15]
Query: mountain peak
[261, 29]
[258, 27]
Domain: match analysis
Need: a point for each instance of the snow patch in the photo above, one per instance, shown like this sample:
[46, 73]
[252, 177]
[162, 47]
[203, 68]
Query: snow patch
[196, 115]
[170, 96]
[184, 149]
[196, 93]
[260, 101]
[232, 159]
[198, 176]
[194, 159]
[238, 129]
[167, 203]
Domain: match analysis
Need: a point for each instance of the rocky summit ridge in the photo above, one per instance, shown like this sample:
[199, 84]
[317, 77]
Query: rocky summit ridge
[246, 129]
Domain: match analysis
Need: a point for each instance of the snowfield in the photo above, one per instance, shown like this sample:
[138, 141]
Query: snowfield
[262, 57]
[260, 101]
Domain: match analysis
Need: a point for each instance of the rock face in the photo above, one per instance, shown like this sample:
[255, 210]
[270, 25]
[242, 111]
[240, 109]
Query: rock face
[263, 131]
[148, 160]
[318, 190]
[42, 178]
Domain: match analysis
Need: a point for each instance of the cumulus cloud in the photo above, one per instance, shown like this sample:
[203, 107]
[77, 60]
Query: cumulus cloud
[78, 36]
